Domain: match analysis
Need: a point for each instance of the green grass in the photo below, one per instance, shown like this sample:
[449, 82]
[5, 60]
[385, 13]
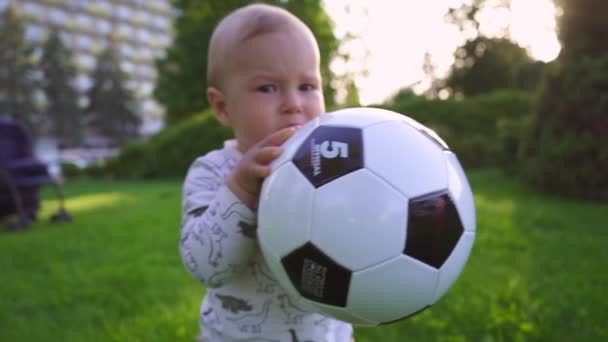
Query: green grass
[537, 271]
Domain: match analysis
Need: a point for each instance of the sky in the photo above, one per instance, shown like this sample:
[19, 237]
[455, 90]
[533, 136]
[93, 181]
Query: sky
[394, 36]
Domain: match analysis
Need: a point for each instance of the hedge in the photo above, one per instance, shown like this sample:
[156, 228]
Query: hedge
[169, 153]
[484, 130]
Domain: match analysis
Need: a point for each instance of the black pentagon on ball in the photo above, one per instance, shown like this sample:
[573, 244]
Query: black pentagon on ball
[433, 228]
[316, 276]
[330, 152]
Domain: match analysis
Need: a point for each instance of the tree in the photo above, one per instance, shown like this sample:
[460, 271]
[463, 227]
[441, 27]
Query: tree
[565, 149]
[582, 28]
[486, 64]
[482, 63]
[181, 73]
[352, 95]
[465, 17]
[61, 97]
[18, 84]
[112, 109]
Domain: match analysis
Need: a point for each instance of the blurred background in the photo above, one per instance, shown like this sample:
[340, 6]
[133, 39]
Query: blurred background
[502, 80]
[112, 93]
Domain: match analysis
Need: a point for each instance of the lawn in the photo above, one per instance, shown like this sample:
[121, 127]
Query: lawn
[537, 271]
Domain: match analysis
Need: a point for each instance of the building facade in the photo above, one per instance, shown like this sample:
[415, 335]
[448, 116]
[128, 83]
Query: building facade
[140, 29]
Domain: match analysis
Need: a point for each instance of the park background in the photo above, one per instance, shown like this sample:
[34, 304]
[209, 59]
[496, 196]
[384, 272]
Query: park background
[530, 133]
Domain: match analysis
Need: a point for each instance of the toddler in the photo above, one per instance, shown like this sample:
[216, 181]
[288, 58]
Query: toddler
[263, 82]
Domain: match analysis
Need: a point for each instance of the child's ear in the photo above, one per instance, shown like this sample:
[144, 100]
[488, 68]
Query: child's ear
[218, 104]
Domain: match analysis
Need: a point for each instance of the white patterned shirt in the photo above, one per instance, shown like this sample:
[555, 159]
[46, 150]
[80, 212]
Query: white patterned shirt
[218, 245]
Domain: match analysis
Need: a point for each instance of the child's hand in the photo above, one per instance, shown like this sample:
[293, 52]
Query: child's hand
[246, 179]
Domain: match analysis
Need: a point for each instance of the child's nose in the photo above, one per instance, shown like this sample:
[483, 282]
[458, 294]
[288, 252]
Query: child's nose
[292, 102]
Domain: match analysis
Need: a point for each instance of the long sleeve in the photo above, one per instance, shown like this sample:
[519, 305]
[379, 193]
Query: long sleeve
[243, 300]
[217, 231]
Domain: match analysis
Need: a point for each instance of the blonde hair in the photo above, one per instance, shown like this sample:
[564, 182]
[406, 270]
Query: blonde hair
[241, 25]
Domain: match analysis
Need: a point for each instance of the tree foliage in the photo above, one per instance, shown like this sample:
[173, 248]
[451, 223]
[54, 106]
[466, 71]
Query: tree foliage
[18, 83]
[583, 28]
[565, 148]
[182, 73]
[483, 65]
[112, 109]
[58, 74]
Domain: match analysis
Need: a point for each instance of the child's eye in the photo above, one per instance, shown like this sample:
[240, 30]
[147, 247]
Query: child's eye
[267, 88]
[307, 87]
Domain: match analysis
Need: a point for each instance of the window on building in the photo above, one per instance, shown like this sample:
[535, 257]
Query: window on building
[143, 35]
[84, 21]
[103, 26]
[123, 12]
[35, 33]
[83, 82]
[148, 72]
[33, 9]
[126, 50]
[66, 37]
[75, 4]
[104, 7]
[146, 88]
[131, 85]
[125, 30]
[144, 17]
[97, 45]
[85, 61]
[161, 23]
[127, 67]
[84, 42]
[149, 106]
[146, 52]
[58, 16]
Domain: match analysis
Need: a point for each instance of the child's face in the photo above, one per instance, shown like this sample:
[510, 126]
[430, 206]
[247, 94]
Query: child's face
[275, 84]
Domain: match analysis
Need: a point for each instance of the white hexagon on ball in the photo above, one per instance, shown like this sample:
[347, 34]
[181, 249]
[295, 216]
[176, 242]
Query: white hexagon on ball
[383, 291]
[453, 266]
[358, 117]
[343, 227]
[285, 225]
[461, 192]
[414, 164]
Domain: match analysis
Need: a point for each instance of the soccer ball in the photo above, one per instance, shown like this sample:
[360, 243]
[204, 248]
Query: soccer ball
[367, 216]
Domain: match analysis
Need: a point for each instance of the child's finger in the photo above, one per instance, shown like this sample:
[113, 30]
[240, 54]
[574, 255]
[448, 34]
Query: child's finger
[260, 171]
[268, 154]
[279, 137]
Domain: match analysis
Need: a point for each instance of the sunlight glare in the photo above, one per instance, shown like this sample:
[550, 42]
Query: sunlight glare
[394, 35]
[90, 202]
[533, 25]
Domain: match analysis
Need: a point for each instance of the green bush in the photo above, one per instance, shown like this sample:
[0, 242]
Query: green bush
[70, 170]
[482, 130]
[169, 153]
[510, 134]
[95, 171]
[565, 147]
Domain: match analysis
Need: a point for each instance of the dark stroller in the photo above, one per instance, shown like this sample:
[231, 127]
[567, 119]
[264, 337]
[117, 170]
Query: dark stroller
[21, 176]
